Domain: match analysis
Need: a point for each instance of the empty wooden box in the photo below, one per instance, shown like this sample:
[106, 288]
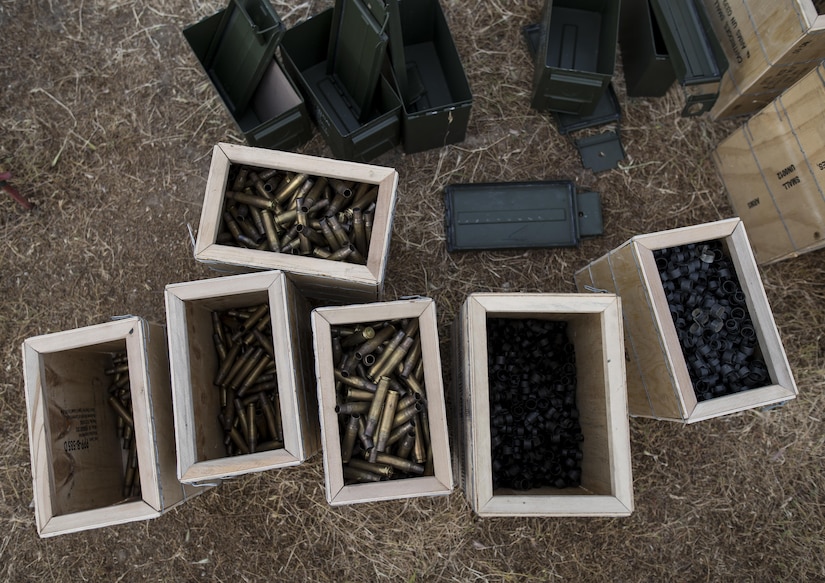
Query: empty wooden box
[594, 326]
[324, 279]
[202, 455]
[78, 463]
[658, 379]
[441, 482]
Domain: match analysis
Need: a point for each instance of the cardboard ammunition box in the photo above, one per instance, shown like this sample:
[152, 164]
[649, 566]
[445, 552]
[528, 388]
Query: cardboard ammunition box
[648, 70]
[769, 45]
[441, 481]
[576, 55]
[78, 462]
[357, 124]
[320, 278]
[433, 87]
[201, 451]
[773, 168]
[658, 379]
[235, 47]
[594, 325]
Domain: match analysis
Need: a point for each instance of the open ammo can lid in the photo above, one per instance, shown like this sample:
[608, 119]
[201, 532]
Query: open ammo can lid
[694, 50]
[242, 46]
[513, 215]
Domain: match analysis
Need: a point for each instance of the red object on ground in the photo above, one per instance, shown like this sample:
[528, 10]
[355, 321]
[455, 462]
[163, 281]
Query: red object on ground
[13, 192]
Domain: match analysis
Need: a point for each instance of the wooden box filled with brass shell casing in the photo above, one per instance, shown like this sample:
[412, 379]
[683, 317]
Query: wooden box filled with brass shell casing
[381, 399]
[594, 327]
[222, 426]
[301, 240]
[89, 424]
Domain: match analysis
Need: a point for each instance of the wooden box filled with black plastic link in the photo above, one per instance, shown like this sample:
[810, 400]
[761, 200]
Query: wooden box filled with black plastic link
[539, 405]
[700, 336]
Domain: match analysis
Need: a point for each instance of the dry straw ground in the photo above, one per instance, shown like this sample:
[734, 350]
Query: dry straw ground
[108, 124]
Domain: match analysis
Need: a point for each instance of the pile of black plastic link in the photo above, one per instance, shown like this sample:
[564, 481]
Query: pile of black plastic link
[712, 321]
[534, 423]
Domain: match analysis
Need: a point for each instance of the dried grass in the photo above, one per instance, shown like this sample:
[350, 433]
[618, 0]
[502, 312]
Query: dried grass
[108, 124]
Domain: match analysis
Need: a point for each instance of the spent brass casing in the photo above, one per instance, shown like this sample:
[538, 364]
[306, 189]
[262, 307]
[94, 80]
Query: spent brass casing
[240, 179]
[257, 220]
[270, 231]
[120, 368]
[337, 350]
[131, 470]
[285, 217]
[241, 419]
[227, 364]
[290, 186]
[384, 470]
[235, 381]
[373, 343]
[338, 232]
[350, 434]
[356, 475]
[269, 416]
[376, 406]
[315, 193]
[245, 225]
[353, 408]
[387, 364]
[252, 439]
[217, 330]
[399, 432]
[264, 343]
[406, 444]
[312, 235]
[369, 196]
[320, 253]
[254, 374]
[360, 336]
[368, 217]
[355, 382]
[329, 236]
[399, 463]
[319, 206]
[268, 173]
[270, 445]
[238, 440]
[386, 423]
[341, 253]
[419, 451]
[414, 385]
[406, 414]
[352, 394]
[341, 187]
[121, 410]
[359, 232]
[259, 202]
[411, 360]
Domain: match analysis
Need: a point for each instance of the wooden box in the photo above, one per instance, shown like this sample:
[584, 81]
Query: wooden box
[319, 278]
[194, 363]
[769, 46]
[78, 463]
[594, 326]
[441, 482]
[658, 380]
[773, 168]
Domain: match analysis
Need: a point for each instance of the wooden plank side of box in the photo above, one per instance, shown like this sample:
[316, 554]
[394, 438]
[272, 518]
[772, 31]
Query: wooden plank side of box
[460, 402]
[599, 276]
[751, 198]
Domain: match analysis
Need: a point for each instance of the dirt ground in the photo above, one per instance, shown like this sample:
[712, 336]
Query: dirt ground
[108, 124]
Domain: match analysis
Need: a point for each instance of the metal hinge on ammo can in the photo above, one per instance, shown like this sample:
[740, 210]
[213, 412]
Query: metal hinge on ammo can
[695, 52]
[513, 215]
